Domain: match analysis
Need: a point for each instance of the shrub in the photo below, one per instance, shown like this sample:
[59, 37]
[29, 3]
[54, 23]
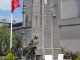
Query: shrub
[10, 56]
[1, 59]
[78, 58]
[70, 55]
[73, 55]
[66, 53]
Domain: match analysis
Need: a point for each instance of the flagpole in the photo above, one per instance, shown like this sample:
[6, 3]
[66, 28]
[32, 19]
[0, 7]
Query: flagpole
[11, 32]
[14, 5]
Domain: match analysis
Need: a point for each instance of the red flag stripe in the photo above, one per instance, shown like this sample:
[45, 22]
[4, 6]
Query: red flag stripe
[15, 4]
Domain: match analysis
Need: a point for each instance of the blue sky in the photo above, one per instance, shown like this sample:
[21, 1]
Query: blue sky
[5, 9]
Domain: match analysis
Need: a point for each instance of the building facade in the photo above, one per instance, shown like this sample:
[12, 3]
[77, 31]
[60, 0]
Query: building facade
[56, 23]
[68, 19]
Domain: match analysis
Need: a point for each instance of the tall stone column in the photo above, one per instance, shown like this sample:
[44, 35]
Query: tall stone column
[23, 24]
[56, 34]
[56, 31]
[24, 14]
[47, 31]
[43, 50]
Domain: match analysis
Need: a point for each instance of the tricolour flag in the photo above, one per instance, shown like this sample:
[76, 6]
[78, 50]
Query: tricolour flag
[15, 4]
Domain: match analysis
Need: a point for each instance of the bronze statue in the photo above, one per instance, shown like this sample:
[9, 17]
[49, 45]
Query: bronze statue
[30, 51]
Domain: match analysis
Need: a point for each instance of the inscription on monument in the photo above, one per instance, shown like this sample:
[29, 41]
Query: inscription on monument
[47, 27]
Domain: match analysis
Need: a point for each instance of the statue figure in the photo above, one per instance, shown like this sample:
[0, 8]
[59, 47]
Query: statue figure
[19, 51]
[30, 50]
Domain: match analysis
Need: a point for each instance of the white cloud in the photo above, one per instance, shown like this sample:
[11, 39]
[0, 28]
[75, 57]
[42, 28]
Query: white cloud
[5, 4]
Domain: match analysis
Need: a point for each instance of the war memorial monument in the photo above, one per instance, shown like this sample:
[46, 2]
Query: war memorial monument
[55, 22]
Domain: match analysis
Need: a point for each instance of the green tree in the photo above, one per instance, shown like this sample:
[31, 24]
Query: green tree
[5, 38]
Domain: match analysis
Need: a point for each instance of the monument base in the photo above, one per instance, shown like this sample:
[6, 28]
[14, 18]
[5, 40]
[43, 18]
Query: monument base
[56, 52]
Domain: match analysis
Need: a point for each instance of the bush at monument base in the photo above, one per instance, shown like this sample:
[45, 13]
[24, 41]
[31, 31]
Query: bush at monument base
[10, 56]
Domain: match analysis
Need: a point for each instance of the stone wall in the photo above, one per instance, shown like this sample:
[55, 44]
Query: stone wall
[70, 9]
[69, 22]
[70, 38]
[28, 12]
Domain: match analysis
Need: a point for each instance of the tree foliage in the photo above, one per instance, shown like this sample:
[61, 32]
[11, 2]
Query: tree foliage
[5, 38]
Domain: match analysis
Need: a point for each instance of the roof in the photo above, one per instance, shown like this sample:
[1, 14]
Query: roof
[16, 24]
[8, 19]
